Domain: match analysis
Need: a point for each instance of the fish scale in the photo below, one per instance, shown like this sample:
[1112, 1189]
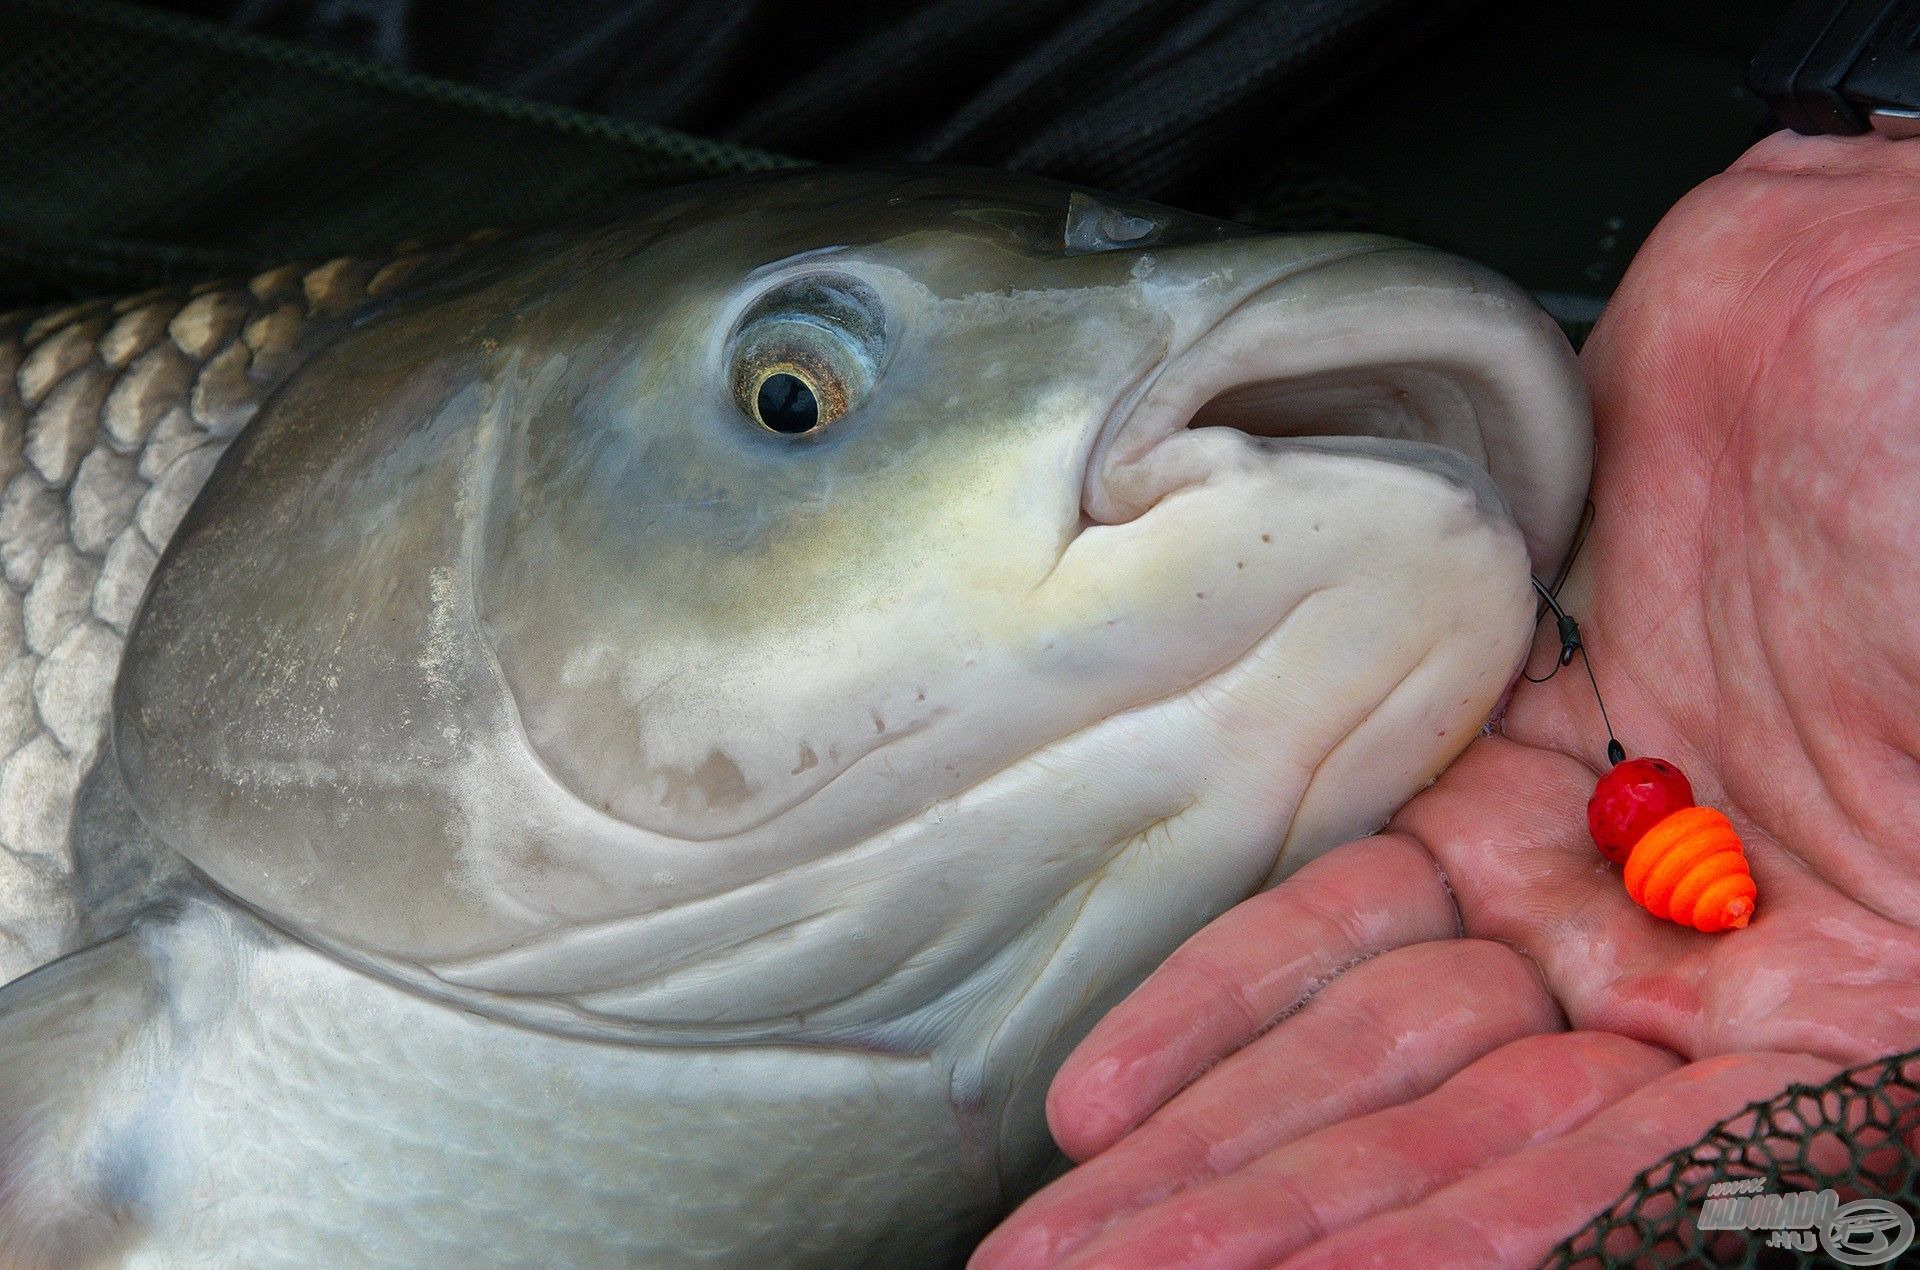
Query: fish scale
[112, 413]
[533, 1139]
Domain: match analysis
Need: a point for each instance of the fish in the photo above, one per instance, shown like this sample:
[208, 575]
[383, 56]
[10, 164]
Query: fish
[648, 742]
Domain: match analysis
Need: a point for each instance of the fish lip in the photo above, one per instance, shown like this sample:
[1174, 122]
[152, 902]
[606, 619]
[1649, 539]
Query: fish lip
[1096, 505]
[1371, 339]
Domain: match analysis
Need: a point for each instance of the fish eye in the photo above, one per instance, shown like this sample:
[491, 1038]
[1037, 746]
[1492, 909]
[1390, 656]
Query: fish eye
[786, 402]
[806, 353]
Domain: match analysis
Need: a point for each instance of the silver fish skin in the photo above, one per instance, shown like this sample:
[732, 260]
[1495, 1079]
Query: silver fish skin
[537, 811]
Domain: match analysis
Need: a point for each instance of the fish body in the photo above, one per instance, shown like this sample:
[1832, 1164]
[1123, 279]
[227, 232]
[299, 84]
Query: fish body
[651, 743]
[255, 1102]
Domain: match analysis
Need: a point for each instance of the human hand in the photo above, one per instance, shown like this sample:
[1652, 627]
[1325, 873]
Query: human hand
[1480, 1039]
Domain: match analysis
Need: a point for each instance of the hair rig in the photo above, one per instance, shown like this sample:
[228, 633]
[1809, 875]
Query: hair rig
[1681, 862]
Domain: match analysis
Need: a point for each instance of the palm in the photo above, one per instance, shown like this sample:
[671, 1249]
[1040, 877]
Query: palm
[1466, 1069]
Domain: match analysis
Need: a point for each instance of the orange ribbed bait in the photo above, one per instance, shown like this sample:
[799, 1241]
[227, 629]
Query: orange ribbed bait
[1683, 862]
[1690, 869]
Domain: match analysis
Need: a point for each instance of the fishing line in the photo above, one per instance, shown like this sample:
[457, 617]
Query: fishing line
[1681, 862]
[1570, 641]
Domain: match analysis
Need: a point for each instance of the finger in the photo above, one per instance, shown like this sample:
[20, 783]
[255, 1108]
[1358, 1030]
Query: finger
[1391, 1029]
[1230, 982]
[1536, 1088]
[1514, 1212]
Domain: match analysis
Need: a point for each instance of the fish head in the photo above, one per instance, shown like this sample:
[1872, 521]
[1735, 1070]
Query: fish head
[861, 608]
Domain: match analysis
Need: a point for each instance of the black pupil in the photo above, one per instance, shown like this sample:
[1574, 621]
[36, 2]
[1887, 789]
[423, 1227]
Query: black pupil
[786, 404]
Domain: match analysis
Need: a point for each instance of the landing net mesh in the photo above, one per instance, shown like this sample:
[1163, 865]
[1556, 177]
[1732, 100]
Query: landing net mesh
[1856, 1135]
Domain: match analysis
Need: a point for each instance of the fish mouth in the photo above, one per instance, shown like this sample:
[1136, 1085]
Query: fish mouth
[1383, 349]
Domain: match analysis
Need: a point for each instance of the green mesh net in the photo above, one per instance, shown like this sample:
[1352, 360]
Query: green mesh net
[140, 149]
[1855, 1135]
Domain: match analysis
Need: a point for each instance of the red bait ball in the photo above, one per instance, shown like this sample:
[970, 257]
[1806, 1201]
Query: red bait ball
[1631, 799]
[1682, 862]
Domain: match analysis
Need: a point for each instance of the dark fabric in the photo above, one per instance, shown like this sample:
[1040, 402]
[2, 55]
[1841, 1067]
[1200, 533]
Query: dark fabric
[137, 145]
[1545, 140]
[141, 146]
[1154, 97]
[138, 148]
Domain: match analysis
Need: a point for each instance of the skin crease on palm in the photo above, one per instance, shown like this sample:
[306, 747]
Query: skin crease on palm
[1454, 1042]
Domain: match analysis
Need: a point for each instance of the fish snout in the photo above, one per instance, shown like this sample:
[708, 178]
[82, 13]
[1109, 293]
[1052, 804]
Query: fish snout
[1369, 346]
